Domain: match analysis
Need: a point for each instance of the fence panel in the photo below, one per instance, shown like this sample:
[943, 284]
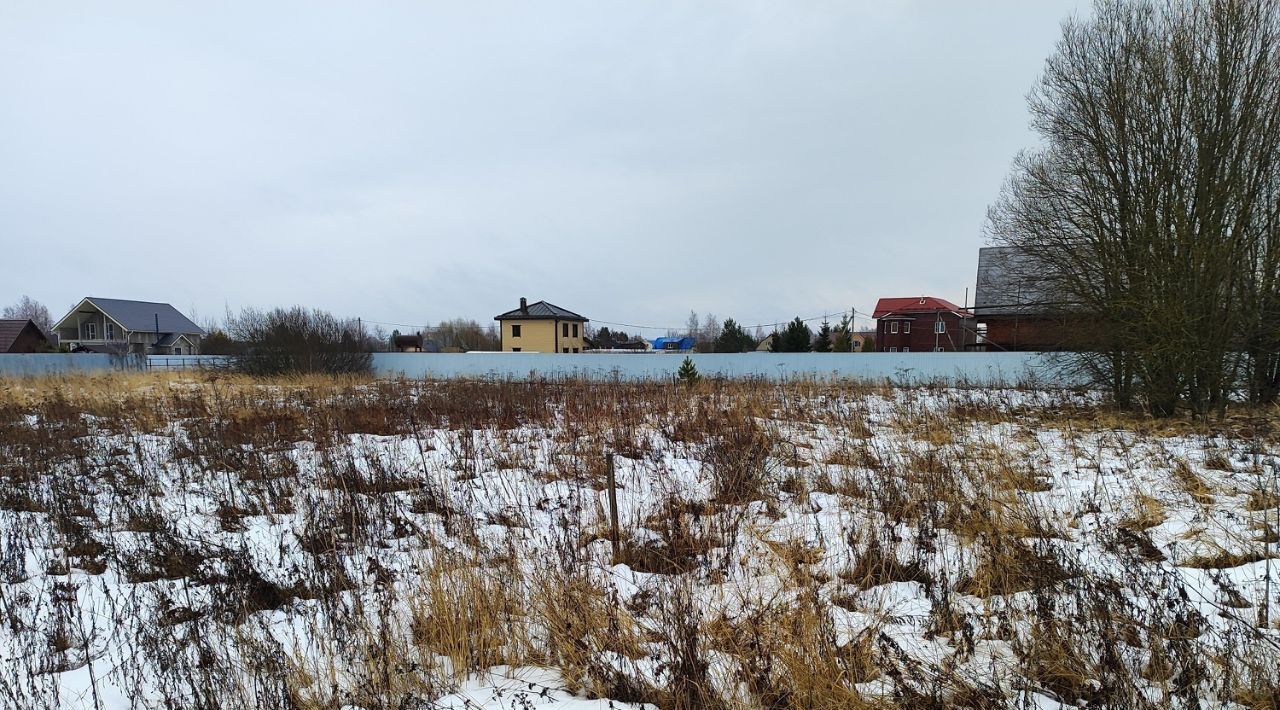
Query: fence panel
[184, 362]
[990, 369]
[908, 368]
[36, 364]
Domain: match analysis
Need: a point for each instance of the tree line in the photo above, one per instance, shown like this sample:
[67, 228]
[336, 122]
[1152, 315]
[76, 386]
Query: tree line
[796, 337]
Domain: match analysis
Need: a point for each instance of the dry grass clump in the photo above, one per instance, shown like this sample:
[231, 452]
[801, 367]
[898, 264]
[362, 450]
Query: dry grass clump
[877, 565]
[1011, 565]
[739, 459]
[1191, 482]
[788, 656]
[682, 543]
[1147, 513]
[470, 615]
[1224, 559]
[1261, 499]
[587, 628]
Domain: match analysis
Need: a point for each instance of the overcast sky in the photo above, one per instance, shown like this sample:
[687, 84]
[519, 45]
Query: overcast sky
[411, 162]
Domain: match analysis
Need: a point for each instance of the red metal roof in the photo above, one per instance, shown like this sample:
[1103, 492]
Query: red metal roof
[916, 304]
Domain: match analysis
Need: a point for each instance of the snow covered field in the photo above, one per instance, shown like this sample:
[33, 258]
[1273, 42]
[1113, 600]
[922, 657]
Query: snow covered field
[180, 543]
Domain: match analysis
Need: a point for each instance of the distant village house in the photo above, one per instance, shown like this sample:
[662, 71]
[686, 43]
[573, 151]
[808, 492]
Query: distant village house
[922, 324]
[110, 325]
[22, 336]
[542, 328]
[861, 342]
[415, 343]
[672, 344]
[1013, 307]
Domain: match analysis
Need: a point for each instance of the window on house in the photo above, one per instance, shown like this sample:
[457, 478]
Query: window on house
[893, 350]
[564, 350]
[111, 331]
[575, 350]
[90, 331]
[177, 351]
[575, 331]
[893, 327]
[515, 330]
[515, 350]
[906, 349]
[564, 330]
[940, 327]
[906, 327]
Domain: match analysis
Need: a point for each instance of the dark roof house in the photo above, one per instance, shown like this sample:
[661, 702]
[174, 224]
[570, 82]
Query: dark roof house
[540, 311]
[119, 326]
[1015, 305]
[22, 336]
[1009, 283]
[542, 328]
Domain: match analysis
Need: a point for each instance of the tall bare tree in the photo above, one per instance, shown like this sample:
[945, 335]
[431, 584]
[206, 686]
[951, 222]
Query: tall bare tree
[29, 308]
[466, 334]
[1151, 209]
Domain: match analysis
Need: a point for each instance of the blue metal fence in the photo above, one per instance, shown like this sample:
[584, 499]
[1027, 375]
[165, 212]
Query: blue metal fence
[35, 364]
[988, 369]
[911, 368]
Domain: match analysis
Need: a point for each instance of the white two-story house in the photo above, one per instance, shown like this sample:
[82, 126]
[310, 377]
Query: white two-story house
[111, 325]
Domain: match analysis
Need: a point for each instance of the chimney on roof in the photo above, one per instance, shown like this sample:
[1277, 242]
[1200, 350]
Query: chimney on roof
[524, 305]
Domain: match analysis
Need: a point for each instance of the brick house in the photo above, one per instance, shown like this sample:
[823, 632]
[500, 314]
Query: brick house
[1013, 307]
[922, 324]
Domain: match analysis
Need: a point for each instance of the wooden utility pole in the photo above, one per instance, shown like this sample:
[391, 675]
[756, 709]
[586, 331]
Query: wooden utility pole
[613, 506]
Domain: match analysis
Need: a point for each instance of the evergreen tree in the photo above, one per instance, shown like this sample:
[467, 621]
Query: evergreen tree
[823, 343]
[796, 338]
[733, 338]
[688, 372]
[843, 341]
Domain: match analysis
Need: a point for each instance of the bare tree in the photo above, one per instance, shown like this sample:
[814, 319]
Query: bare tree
[297, 340]
[466, 334]
[708, 333]
[1151, 210]
[29, 308]
[692, 325]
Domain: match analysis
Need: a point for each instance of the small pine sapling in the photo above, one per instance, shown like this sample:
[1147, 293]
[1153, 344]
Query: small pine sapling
[688, 372]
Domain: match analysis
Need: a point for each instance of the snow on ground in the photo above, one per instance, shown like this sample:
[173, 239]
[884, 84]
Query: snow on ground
[963, 546]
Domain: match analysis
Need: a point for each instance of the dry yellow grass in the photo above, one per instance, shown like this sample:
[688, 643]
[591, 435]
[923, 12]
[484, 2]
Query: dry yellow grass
[1147, 513]
[922, 501]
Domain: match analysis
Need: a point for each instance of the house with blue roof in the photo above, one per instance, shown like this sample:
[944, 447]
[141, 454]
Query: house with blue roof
[115, 326]
[675, 345]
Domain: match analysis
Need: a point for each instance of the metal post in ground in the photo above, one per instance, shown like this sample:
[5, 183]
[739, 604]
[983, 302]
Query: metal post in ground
[613, 506]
